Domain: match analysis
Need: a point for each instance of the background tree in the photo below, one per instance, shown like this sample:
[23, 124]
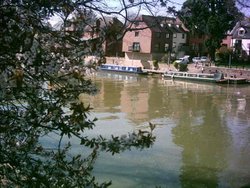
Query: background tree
[222, 55]
[211, 18]
[36, 102]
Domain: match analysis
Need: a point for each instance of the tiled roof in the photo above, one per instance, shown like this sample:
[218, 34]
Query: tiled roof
[163, 24]
[103, 22]
[241, 25]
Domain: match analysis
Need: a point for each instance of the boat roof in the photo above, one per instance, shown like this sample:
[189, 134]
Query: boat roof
[122, 65]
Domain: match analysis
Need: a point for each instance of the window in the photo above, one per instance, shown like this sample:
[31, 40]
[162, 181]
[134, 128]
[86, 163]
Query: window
[167, 35]
[175, 35]
[157, 47]
[241, 31]
[174, 44]
[158, 34]
[166, 46]
[136, 46]
[183, 35]
[136, 33]
[238, 44]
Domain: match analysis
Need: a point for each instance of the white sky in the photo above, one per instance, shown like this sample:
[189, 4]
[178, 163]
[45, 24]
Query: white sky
[115, 5]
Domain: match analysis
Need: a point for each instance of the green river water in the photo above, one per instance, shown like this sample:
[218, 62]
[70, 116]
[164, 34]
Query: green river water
[202, 132]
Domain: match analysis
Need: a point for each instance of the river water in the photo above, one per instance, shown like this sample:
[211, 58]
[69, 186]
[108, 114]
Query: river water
[202, 132]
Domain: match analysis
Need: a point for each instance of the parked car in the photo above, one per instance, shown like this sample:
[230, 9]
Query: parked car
[184, 60]
[196, 60]
[204, 59]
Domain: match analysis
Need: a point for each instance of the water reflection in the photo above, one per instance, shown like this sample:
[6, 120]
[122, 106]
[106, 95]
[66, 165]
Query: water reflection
[203, 132]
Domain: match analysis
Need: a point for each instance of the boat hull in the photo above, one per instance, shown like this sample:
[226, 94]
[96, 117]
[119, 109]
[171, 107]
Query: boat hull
[238, 81]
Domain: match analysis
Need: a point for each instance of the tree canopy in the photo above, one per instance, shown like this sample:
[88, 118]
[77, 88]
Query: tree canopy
[210, 18]
[38, 100]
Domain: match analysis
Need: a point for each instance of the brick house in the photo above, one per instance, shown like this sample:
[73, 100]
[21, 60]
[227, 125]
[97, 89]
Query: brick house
[150, 38]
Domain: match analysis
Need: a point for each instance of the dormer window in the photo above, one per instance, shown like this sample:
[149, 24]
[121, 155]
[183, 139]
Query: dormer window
[241, 31]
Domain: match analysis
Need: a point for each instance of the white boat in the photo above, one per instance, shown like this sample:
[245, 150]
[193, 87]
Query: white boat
[204, 77]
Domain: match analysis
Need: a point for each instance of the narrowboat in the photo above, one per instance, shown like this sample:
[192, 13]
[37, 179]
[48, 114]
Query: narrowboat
[121, 68]
[216, 78]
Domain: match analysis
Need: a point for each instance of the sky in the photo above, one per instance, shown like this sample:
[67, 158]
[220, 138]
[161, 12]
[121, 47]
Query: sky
[115, 5]
[157, 11]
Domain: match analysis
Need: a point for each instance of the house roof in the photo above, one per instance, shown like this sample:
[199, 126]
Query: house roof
[163, 24]
[242, 25]
[103, 22]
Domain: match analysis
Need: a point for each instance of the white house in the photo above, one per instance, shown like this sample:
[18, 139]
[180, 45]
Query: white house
[179, 39]
[241, 37]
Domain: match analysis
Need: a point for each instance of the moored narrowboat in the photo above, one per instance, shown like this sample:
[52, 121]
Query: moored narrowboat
[122, 68]
[216, 78]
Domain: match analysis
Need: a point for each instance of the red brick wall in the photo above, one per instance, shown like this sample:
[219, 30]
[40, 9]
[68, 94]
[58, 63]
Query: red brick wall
[144, 38]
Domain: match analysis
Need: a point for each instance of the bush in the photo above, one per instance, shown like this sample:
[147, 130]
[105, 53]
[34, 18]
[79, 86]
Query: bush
[155, 64]
[176, 65]
[164, 59]
[222, 55]
[180, 66]
[183, 67]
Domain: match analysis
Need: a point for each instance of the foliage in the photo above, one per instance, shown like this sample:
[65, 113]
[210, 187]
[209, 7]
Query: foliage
[155, 64]
[183, 67]
[180, 66]
[38, 102]
[222, 55]
[210, 18]
[176, 65]
[165, 58]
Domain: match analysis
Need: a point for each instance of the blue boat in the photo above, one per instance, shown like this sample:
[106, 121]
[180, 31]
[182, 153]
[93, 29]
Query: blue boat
[121, 68]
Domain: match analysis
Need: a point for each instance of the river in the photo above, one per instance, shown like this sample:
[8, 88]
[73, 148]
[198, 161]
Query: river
[202, 132]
